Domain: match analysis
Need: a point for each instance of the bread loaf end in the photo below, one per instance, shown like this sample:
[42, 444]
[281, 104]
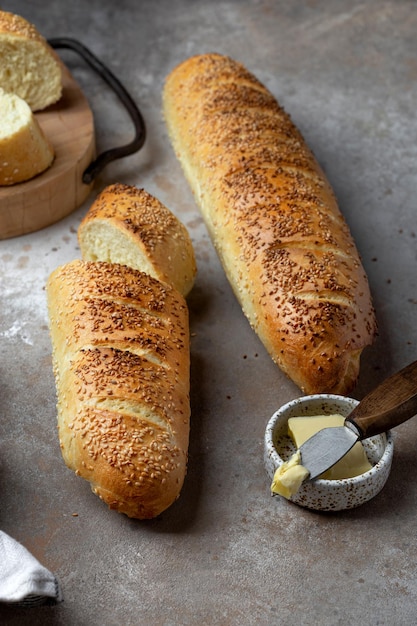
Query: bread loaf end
[29, 66]
[128, 225]
[121, 361]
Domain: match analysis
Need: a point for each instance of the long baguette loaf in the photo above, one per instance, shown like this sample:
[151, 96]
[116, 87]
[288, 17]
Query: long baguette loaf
[128, 225]
[121, 361]
[284, 245]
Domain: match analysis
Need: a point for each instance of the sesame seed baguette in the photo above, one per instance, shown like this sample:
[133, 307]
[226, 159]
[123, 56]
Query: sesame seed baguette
[121, 362]
[29, 66]
[285, 247]
[128, 225]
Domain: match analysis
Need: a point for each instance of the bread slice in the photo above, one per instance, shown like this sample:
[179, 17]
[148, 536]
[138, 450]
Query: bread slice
[25, 151]
[29, 67]
[129, 226]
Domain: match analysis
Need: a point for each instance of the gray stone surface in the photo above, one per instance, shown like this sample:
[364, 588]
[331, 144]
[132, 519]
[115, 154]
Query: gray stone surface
[226, 553]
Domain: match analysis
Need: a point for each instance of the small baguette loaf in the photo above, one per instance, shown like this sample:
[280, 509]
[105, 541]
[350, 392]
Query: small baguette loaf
[29, 67]
[25, 151]
[284, 245]
[128, 225]
[121, 360]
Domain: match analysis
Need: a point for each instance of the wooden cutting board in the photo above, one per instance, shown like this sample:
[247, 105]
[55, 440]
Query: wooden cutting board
[47, 198]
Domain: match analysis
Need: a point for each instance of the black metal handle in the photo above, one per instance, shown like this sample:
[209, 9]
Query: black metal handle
[140, 130]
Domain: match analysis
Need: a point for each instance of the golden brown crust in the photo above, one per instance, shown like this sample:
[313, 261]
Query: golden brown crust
[29, 66]
[121, 361]
[285, 247]
[19, 27]
[128, 225]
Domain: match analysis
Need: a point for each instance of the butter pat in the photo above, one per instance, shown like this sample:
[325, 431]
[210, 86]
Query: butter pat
[354, 463]
[289, 476]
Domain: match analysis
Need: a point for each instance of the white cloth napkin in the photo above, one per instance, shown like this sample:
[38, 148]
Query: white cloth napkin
[23, 580]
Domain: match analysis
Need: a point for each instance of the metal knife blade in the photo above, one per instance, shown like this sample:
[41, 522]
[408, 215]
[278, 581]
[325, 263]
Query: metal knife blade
[324, 449]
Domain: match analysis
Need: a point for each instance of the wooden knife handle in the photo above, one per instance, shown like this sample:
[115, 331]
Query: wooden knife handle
[393, 402]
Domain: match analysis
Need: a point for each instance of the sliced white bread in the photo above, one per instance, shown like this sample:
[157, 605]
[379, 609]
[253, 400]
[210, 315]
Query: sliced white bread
[24, 149]
[29, 66]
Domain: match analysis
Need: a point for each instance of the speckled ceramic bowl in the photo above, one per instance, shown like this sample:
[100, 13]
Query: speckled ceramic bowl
[319, 494]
